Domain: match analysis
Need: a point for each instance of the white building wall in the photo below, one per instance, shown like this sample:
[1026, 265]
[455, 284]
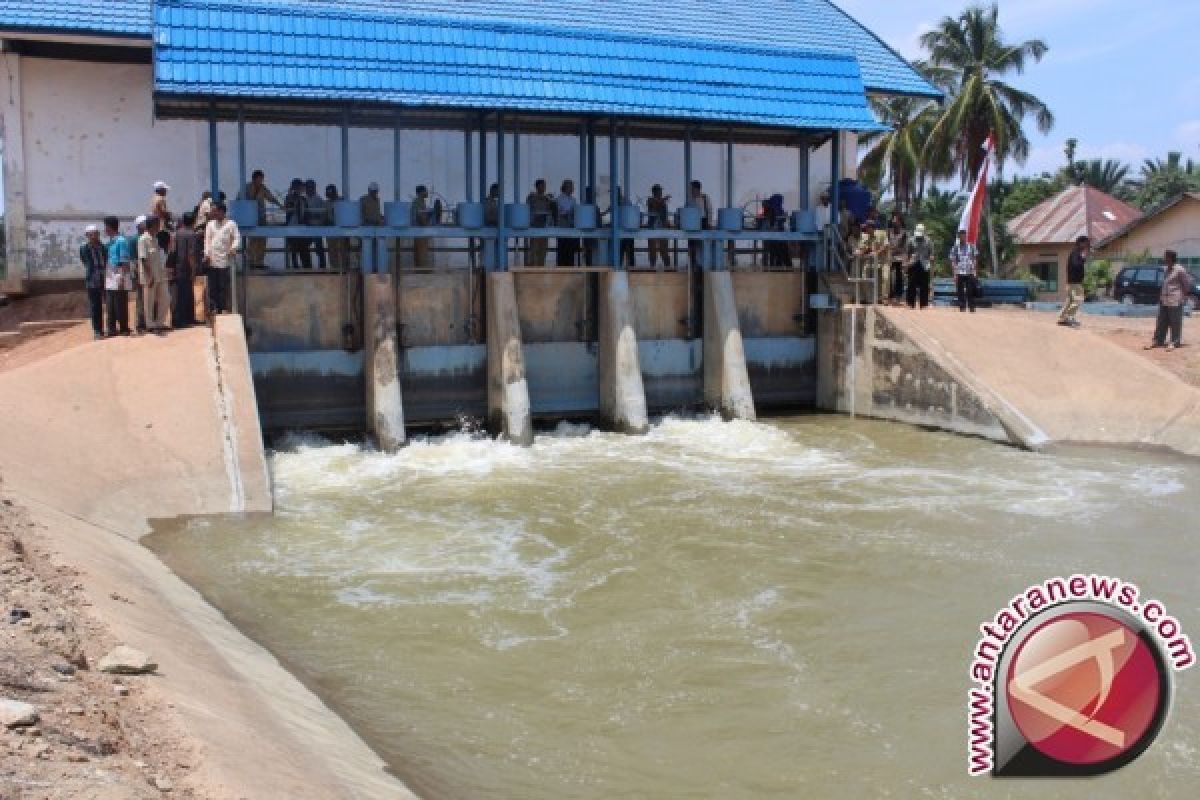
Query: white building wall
[92, 147]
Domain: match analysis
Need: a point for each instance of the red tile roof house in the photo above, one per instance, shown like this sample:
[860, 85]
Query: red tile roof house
[1046, 233]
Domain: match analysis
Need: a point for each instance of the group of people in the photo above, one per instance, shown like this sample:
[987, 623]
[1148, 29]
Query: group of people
[158, 265]
[902, 264]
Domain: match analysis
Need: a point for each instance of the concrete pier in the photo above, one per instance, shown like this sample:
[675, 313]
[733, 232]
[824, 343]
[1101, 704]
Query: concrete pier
[622, 394]
[726, 378]
[508, 391]
[385, 407]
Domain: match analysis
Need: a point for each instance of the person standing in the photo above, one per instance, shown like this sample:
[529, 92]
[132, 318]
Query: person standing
[1177, 285]
[657, 218]
[185, 255]
[315, 214]
[117, 279]
[152, 265]
[256, 190]
[339, 246]
[564, 204]
[697, 198]
[422, 217]
[201, 212]
[139, 302]
[371, 206]
[158, 207]
[1076, 270]
[95, 262]
[920, 262]
[221, 242]
[295, 204]
[541, 215]
[964, 259]
[898, 248]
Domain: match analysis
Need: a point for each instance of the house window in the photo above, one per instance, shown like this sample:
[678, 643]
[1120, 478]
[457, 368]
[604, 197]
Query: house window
[1047, 273]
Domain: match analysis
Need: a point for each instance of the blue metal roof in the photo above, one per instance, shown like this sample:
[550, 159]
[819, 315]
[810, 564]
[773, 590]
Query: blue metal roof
[224, 48]
[810, 24]
[89, 17]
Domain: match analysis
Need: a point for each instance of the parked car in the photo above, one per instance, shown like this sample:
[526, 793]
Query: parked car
[1143, 284]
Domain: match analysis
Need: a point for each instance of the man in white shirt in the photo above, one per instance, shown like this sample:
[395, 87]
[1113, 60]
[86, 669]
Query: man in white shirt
[222, 240]
[153, 267]
[964, 257]
[564, 206]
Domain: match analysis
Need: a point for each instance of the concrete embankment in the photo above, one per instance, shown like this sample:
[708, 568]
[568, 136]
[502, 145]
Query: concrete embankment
[1009, 377]
[103, 438]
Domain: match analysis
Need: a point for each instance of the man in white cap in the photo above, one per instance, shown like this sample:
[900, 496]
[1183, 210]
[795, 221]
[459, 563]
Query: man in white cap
[139, 302]
[158, 206]
[920, 262]
[95, 259]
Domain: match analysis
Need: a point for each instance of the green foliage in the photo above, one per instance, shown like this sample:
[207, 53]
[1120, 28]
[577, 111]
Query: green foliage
[968, 56]
[895, 156]
[1022, 194]
[1161, 181]
[1099, 275]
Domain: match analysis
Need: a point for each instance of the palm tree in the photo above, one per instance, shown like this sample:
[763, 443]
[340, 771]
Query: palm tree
[897, 154]
[941, 211]
[967, 57]
[1156, 167]
[1106, 175]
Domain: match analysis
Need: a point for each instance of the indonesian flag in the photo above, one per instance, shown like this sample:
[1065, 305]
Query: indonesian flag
[973, 213]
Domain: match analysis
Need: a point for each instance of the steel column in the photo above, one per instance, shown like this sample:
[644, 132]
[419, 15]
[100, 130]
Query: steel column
[805, 197]
[501, 234]
[469, 164]
[591, 176]
[214, 171]
[835, 194]
[729, 175]
[516, 184]
[583, 130]
[483, 187]
[397, 174]
[687, 165]
[346, 151]
[625, 181]
[614, 203]
[241, 123]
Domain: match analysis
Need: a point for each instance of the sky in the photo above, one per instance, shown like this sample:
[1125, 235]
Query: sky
[1121, 77]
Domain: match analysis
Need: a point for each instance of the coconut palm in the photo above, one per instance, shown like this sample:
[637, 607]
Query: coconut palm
[1174, 163]
[967, 58]
[1106, 175]
[896, 155]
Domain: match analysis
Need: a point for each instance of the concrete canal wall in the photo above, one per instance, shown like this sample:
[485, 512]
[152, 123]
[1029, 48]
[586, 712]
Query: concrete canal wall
[1008, 377]
[591, 343]
[101, 439]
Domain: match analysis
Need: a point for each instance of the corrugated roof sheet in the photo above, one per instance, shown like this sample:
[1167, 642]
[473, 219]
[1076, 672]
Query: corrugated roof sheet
[1078, 211]
[318, 52]
[810, 24]
[91, 17]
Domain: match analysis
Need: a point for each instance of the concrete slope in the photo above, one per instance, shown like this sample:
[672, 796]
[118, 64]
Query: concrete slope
[99, 439]
[1076, 387]
[144, 426]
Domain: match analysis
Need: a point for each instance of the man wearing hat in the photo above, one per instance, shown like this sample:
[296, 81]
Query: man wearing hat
[158, 206]
[135, 274]
[95, 261]
[920, 262]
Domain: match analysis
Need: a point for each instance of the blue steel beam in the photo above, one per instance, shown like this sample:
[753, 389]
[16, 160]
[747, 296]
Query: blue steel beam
[501, 233]
[614, 206]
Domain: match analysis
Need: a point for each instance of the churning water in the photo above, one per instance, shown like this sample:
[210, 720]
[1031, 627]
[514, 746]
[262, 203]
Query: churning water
[715, 610]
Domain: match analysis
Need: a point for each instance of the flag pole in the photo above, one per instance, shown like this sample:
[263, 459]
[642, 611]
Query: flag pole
[987, 209]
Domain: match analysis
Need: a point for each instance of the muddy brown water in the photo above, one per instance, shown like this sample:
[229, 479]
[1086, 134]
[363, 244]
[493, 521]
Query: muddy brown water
[716, 610]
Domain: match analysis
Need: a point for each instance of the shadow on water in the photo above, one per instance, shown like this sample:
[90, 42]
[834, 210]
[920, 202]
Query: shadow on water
[717, 609]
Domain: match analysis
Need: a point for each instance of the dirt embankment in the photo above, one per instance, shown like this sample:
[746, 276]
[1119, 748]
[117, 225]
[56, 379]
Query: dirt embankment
[1135, 333]
[94, 736]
